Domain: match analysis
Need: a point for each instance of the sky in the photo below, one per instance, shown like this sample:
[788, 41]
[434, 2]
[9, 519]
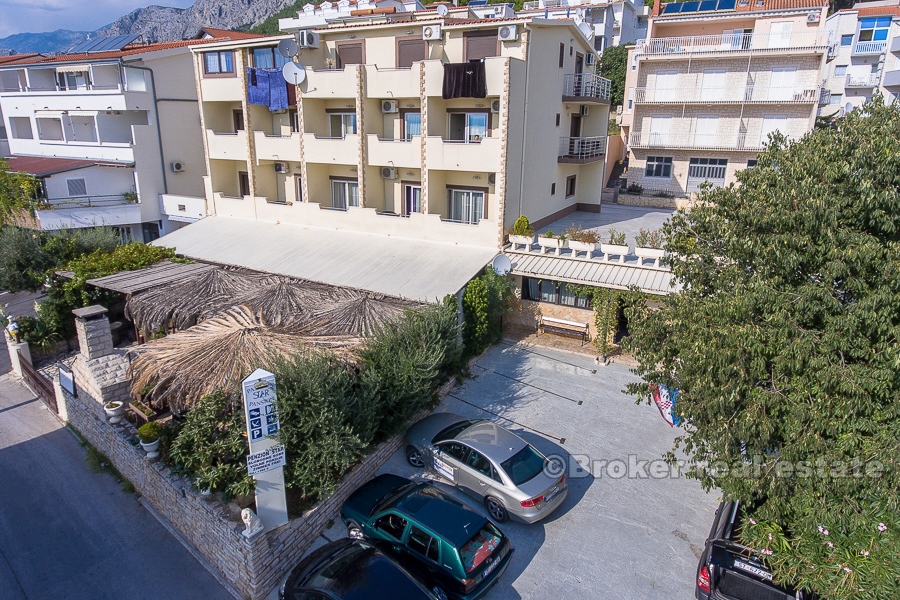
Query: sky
[35, 16]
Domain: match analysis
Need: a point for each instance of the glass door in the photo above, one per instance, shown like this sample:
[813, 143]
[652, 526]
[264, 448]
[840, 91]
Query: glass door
[412, 199]
[466, 206]
[344, 194]
[412, 125]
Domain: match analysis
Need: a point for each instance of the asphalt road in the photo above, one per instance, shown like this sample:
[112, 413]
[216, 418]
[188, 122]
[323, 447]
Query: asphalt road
[66, 532]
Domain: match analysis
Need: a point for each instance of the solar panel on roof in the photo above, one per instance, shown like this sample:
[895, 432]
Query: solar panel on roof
[688, 7]
[726, 4]
[708, 5]
[672, 8]
[478, 2]
[105, 44]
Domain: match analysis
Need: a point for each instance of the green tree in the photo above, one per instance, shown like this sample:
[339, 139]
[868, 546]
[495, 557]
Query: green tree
[17, 194]
[783, 345]
[613, 66]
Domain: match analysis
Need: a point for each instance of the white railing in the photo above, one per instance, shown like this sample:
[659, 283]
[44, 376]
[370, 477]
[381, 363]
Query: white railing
[586, 85]
[733, 42]
[712, 141]
[749, 93]
[861, 81]
[582, 148]
[869, 47]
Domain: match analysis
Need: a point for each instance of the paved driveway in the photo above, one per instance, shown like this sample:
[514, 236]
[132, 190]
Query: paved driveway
[618, 538]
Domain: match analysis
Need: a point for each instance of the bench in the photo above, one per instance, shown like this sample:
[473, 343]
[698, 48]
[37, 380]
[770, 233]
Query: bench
[563, 327]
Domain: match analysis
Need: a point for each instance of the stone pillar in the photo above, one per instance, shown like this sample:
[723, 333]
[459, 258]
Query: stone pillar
[94, 335]
[15, 348]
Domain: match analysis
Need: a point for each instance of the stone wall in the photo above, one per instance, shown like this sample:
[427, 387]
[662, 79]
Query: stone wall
[652, 201]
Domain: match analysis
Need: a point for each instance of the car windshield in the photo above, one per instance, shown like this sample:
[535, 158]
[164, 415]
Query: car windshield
[524, 465]
[448, 433]
[479, 548]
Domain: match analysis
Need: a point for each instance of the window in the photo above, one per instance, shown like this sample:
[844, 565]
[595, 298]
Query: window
[708, 168]
[874, 29]
[76, 80]
[479, 463]
[658, 166]
[570, 186]
[410, 51]
[391, 524]
[344, 193]
[134, 80]
[481, 44]
[875, 68]
[660, 125]
[342, 124]
[553, 189]
[780, 34]
[243, 183]
[562, 55]
[268, 58]
[350, 53]
[218, 62]
[466, 206]
[713, 86]
[557, 119]
[455, 450]
[21, 128]
[706, 130]
[846, 40]
[469, 127]
[412, 124]
[840, 70]
[836, 99]
[424, 544]
[412, 199]
[237, 119]
[76, 187]
[667, 83]
[781, 83]
[294, 118]
[299, 187]
[751, 163]
[554, 292]
[49, 129]
[771, 124]
[2, 132]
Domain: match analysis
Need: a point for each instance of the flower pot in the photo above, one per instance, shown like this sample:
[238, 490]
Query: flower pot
[614, 250]
[152, 448]
[524, 240]
[554, 243]
[652, 253]
[114, 410]
[586, 247]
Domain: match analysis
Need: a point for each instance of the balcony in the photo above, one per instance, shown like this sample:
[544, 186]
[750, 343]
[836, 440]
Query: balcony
[862, 81]
[330, 83]
[585, 87]
[867, 48]
[891, 78]
[581, 150]
[493, 66]
[277, 147]
[392, 83]
[221, 89]
[452, 155]
[394, 153]
[715, 141]
[185, 209]
[895, 44]
[86, 202]
[333, 151]
[227, 145]
[761, 94]
[732, 43]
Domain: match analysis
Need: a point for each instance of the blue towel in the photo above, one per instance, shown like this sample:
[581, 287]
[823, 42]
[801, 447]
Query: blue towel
[267, 87]
[278, 94]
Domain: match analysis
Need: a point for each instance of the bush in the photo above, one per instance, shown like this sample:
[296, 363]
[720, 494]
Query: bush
[650, 238]
[634, 189]
[616, 238]
[521, 227]
[38, 333]
[149, 432]
[582, 235]
[484, 301]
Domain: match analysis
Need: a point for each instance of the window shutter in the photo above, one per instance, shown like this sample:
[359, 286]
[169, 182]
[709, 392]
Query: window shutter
[481, 44]
[350, 54]
[409, 51]
[76, 187]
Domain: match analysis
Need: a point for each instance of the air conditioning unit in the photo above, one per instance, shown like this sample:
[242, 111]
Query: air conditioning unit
[813, 17]
[389, 106]
[389, 172]
[495, 106]
[507, 33]
[584, 111]
[590, 59]
[492, 178]
[308, 39]
[177, 167]
[281, 167]
[431, 32]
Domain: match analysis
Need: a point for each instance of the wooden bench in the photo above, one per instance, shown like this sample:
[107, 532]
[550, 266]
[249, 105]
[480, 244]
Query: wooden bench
[563, 327]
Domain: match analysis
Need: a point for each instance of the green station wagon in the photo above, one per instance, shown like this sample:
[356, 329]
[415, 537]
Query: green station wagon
[454, 551]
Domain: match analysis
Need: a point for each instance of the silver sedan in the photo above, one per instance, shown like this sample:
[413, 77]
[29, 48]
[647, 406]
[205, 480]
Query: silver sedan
[488, 461]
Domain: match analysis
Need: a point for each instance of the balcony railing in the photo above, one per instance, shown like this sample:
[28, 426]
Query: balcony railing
[586, 85]
[749, 93]
[712, 141]
[825, 97]
[85, 202]
[869, 47]
[733, 42]
[861, 81]
[581, 149]
[58, 88]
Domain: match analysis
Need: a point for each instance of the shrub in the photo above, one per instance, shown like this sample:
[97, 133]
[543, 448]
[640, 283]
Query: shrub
[649, 238]
[521, 227]
[38, 333]
[149, 432]
[582, 235]
[484, 301]
[634, 189]
[616, 238]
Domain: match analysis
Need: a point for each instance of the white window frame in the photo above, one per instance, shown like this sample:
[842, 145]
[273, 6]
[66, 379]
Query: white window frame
[466, 206]
[350, 190]
[841, 73]
[408, 188]
[470, 130]
[663, 161]
[347, 126]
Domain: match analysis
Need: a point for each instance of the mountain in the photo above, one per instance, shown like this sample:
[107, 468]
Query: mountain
[156, 23]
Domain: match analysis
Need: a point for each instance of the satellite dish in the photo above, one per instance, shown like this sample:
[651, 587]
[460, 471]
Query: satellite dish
[586, 30]
[288, 48]
[501, 264]
[442, 10]
[293, 73]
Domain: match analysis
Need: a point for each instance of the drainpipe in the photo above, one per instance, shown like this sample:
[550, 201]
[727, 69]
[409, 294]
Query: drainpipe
[162, 158]
[525, 113]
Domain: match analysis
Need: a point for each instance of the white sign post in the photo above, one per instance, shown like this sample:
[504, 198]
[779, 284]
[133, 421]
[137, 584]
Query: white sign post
[266, 460]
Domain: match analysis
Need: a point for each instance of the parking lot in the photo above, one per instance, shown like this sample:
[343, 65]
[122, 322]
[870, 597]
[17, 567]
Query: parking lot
[629, 528]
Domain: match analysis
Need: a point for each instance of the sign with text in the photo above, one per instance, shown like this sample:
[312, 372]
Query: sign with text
[259, 404]
[266, 460]
[66, 378]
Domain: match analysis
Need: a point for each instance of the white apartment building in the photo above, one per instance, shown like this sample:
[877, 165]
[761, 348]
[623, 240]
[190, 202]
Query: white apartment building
[605, 22]
[112, 130]
[415, 138]
[712, 80]
[867, 57]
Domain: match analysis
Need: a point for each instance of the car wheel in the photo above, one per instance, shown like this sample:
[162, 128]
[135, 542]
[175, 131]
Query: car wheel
[354, 531]
[495, 509]
[414, 457]
[439, 593]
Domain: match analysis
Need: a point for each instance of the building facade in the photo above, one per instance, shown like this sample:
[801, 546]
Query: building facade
[867, 56]
[605, 22]
[712, 81]
[384, 134]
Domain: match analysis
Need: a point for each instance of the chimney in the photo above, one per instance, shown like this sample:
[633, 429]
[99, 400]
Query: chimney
[94, 336]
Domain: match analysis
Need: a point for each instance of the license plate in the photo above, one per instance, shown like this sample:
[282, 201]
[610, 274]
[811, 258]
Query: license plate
[551, 495]
[490, 569]
[761, 573]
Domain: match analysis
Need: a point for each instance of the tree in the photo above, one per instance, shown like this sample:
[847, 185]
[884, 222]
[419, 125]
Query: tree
[783, 348]
[17, 192]
[613, 66]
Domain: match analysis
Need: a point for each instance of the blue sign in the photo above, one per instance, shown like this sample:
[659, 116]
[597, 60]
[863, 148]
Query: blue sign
[256, 434]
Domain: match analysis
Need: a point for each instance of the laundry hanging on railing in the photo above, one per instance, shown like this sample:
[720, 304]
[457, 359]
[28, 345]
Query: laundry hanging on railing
[267, 87]
[465, 80]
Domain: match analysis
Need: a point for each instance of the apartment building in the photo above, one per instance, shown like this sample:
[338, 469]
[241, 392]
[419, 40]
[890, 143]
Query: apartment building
[604, 22]
[112, 130]
[712, 80]
[867, 56]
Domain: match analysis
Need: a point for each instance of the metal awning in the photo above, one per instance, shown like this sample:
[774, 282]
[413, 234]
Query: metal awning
[413, 269]
[73, 68]
[48, 114]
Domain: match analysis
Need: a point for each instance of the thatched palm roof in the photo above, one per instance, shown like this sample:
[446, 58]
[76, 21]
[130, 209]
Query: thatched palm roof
[216, 354]
[357, 313]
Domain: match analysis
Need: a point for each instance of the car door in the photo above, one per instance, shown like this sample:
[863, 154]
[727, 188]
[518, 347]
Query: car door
[425, 548]
[448, 459]
[479, 476]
